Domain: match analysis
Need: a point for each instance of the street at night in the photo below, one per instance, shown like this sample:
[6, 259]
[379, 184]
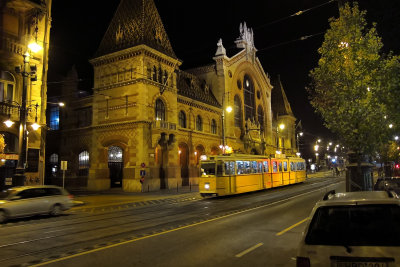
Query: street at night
[260, 229]
[200, 133]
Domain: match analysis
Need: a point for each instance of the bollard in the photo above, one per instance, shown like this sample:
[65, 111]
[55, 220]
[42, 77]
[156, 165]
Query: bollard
[176, 187]
[190, 186]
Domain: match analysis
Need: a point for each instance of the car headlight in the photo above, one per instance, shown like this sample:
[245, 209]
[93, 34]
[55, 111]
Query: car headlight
[207, 186]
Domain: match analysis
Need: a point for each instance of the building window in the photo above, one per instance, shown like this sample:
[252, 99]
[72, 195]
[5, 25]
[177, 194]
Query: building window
[199, 123]
[238, 111]
[160, 110]
[7, 85]
[54, 164]
[83, 163]
[260, 117]
[182, 119]
[84, 117]
[213, 126]
[248, 92]
[55, 117]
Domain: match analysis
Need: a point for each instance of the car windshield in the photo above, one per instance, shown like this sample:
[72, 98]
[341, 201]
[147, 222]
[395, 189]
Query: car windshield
[356, 225]
[4, 194]
[208, 168]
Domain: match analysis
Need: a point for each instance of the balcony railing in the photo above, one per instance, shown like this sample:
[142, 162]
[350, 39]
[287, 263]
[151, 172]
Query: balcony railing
[8, 109]
[163, 125]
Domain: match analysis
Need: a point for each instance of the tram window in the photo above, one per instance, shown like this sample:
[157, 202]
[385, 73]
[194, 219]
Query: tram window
[299, 166]
[247, 168]
[292, 166]
[285, 166]
[266, 169]
[219, 168]
[240, 167]
[260, 167]
[229, 167]
[208, 168]
[274, 166]
[280, 166]
[254, 168]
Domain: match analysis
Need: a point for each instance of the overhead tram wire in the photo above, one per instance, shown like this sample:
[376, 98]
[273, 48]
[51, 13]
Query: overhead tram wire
[301, 12]
[291, 41]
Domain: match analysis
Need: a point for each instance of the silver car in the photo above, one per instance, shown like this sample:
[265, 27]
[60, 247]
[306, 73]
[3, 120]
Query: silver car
[25, 201]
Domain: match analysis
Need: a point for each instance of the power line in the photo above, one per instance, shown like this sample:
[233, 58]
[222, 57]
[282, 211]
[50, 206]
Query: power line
[301, 12]
[291, 41]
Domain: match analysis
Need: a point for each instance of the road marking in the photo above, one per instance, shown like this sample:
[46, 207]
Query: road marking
[175, 229]
[291, 227]
[249, 250]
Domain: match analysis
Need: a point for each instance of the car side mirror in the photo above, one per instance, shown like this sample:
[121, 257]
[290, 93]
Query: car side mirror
[15, 197]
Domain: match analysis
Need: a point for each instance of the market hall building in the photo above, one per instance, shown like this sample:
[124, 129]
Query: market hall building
[148, 118]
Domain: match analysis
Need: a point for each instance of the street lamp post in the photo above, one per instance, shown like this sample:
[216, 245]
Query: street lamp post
[22, 141]
[228, 109]
[280, 126]
[27, 73]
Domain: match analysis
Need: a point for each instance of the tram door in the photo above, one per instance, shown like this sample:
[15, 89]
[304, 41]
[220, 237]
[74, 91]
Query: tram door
[184, 163]
[116, 165]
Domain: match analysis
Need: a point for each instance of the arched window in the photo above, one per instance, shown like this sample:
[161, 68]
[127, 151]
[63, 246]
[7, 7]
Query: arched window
[213, 126]
[248, 92]
[7, 86]
[260, 117]
[54, 164]
[182, 119]
[238, 111]
[165, 77]
[199, 123]
[160, 110]
[83, 163]
[54, 158]
[154, 73]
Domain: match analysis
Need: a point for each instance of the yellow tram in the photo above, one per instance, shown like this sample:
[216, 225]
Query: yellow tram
[239, 173]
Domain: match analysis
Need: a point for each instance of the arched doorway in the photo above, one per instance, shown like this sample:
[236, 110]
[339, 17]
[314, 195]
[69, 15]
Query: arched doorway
[184, 163]
[116, 165]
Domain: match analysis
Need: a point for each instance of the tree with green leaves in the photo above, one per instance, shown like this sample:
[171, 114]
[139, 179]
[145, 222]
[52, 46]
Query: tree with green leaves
[354, 84]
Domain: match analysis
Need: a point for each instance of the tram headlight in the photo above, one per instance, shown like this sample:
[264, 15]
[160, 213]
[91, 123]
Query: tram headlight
[207, 186]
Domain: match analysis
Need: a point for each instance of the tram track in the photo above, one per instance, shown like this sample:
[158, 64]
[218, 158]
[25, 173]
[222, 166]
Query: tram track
[170, 218]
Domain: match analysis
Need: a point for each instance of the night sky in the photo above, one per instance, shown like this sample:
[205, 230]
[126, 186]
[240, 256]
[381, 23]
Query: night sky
[194, 28]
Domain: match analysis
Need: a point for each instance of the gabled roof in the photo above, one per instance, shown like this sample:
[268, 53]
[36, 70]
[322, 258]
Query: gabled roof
[135, 22]
[190, 86]
[279, 102]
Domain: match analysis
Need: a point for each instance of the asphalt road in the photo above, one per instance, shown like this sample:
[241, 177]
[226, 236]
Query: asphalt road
[257, 229]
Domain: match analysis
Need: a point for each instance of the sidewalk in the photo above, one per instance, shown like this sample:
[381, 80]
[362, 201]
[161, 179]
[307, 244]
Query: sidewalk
[116, 197]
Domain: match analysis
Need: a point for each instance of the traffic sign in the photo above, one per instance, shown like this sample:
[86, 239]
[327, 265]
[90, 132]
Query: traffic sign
[143, 165]
[142, 173]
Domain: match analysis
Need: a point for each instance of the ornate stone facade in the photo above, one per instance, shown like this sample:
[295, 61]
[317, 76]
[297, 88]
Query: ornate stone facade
[151, 119]
[22, 22]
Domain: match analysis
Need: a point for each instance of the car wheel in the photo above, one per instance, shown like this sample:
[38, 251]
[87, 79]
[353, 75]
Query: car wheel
[3, 216]
[56, 210]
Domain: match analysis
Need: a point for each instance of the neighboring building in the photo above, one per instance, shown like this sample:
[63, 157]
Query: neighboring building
[21, 23]
[147, 117]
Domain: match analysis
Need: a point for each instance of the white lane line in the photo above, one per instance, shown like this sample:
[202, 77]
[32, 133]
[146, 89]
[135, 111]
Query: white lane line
[248, 250]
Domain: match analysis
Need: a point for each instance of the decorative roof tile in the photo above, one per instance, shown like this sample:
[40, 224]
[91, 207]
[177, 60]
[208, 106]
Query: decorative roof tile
[135, 22]
[192, 87]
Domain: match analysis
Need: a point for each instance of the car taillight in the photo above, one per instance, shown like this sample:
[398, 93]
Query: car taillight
[71, 197]
[302, 262]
